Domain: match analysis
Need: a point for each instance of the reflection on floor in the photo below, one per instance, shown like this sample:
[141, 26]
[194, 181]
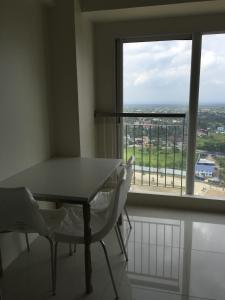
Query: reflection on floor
[173, 255]
[154, 251]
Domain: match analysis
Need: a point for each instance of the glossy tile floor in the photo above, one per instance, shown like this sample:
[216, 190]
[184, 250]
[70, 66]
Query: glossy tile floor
[173, 255]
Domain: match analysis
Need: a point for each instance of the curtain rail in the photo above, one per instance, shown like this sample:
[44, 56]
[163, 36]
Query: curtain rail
[147, 115]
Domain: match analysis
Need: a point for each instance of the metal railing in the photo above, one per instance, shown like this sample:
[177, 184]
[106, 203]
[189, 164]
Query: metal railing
[157, 140]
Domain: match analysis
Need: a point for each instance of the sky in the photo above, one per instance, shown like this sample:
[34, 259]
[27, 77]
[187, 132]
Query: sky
[159, 72]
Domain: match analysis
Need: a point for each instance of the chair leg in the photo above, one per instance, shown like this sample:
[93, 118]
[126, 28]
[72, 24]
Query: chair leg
[52, 264]
[122, 242]
[128, 219]
[110, 269]
[27, 242]
[74, 248]
[118, 238]
[55, 265]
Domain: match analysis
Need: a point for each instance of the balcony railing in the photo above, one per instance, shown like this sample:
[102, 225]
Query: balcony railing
[157, 141]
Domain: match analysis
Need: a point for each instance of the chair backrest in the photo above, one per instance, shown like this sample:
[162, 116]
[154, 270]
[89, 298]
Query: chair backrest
[131, 160]
[120, 195]
[19, 211]
[129, 170]
[116, 206]
[129, 176]
[118, 200]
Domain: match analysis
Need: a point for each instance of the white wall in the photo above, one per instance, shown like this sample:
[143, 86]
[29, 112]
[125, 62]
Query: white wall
[46, 89]
[24, 127]
[72, 80]
[64, 99]
[85, 82]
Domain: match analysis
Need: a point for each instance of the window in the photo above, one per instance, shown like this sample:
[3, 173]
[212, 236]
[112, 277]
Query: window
[156, 88]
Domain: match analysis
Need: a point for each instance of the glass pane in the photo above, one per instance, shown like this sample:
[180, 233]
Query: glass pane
[156, 78]
[210, 150]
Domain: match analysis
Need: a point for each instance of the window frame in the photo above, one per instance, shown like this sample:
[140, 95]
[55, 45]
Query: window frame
[192, 117]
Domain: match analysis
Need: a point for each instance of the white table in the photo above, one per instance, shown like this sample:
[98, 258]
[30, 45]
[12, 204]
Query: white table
[70, 180]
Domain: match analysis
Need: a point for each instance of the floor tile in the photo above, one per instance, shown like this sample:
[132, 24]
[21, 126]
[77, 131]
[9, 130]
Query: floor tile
[207, 237]
[173, 255]
[140, 293]
[207, 275]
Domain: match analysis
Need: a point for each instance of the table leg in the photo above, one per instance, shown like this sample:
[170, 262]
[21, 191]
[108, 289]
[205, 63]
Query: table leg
[87, 244]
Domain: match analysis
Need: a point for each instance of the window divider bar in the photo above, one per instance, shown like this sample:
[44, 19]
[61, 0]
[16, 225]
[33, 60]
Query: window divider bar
[193, 111]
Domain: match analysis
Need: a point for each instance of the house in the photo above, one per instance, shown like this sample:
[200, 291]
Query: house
[202, 132]
[220, 129]
[205, 168]
[57, 66]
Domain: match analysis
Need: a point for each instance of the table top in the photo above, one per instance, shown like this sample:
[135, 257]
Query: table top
[72, 180]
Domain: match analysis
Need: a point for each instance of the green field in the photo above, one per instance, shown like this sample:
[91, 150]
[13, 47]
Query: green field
[150, 158]
[214, 142]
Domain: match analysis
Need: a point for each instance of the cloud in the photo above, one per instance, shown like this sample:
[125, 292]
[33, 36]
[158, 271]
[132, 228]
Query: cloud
[142, 78]
[159, 72]
[208, 59]
[155, 71]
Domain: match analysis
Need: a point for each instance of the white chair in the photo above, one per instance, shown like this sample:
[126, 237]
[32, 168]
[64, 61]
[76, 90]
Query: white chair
[19, 212]
[72, 228]
[102, 199]
[129, 165]
[28, 249]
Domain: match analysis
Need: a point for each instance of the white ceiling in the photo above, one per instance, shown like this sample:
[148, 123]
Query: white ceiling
[157, 11]
[93, 5]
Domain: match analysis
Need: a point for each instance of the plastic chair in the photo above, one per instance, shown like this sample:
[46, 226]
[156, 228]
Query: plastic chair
[129, 165]
[26, 238]
[72, 228]
[28, 249]
[19, 212]
[102, 199]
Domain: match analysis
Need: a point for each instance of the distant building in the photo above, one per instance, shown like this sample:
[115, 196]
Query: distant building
[202, 132]
[205, 167]
[179, 145]
[138, 141]
[221, 129]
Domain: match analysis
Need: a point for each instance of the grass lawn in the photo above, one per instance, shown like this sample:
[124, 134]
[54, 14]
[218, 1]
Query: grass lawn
[149, 158]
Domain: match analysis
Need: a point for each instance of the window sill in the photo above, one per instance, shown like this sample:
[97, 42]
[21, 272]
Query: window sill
[188, 202]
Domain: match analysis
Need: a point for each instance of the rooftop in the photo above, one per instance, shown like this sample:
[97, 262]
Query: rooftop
[204, 168]
[203, 161]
